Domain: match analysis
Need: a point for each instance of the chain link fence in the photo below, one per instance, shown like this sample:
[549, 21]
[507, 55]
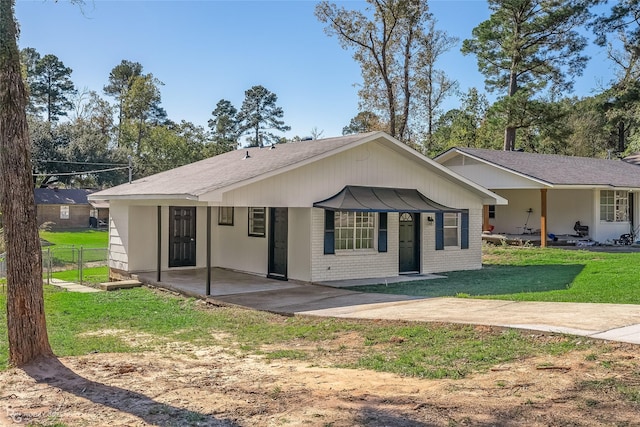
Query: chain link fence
[3, 266]
[70, 263]
[76, 264]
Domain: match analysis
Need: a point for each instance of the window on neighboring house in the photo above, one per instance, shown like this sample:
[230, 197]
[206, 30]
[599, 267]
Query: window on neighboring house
[492, 211]
[257, 222]
[614, 206]
[225, 215]
[451, 227]
[354, 230]
[64, 212]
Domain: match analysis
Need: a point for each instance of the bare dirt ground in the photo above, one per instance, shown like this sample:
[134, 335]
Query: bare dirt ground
[179, 385]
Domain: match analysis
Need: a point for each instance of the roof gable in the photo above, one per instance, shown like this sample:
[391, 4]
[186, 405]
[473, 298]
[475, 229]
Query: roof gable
[552, 169]
[235, 169]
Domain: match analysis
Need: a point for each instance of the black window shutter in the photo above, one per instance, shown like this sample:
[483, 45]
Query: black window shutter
[382, 232]
[464, 230]
[439, 231]
[329, 232]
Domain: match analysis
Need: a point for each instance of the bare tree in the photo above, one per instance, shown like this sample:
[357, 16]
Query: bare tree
[26, 324]
[393, 43]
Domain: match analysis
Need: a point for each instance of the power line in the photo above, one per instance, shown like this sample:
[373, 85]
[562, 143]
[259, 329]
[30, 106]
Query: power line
[80, 163]
[81, 172]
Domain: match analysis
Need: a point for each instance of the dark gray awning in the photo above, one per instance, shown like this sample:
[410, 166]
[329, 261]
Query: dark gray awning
[381, 199]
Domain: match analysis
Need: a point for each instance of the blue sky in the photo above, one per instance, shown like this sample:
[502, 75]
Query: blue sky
[204, 51]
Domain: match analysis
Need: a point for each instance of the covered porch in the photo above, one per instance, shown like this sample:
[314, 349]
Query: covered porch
[262, 293]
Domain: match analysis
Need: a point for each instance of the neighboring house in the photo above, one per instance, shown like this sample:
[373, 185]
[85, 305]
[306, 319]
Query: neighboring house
[358, 206]
[549, 193]
[67, 208]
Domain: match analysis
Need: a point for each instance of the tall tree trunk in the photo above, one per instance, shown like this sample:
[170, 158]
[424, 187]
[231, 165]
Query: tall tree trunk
[509, 138]
[621, 137]
[26, 324]
[510, 131]
[406, 79]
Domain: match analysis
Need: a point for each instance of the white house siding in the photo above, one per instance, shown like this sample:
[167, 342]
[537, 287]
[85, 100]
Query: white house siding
[299, 244]
[232, 246]
[118, 236]
[452, 258]
[372, 165]
[133, 235]
[487, 175]
[143, 236]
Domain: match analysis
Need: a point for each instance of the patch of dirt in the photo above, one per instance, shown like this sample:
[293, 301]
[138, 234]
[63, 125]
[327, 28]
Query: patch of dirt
[182, 385]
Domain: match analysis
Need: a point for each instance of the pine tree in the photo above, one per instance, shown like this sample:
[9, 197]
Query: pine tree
[259, 114]
[527, 47]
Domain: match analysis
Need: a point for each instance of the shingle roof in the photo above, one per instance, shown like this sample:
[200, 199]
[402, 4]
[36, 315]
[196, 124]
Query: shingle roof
[230, 168]
[561, 170]
[70, 196]
[634, 159]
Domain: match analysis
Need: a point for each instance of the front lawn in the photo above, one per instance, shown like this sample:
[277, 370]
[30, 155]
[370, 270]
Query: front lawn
[536, 274]
[141, 319]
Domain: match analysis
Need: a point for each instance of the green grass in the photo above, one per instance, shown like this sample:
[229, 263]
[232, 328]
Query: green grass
[87, 238]
[65, 246]
[89, 275]
[140, 319]
[614, 386]
[536, 274]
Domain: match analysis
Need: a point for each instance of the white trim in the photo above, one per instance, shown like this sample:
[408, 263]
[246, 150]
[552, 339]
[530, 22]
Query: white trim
[496, 166]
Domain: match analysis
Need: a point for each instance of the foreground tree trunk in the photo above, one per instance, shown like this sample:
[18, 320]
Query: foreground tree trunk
[26, 324]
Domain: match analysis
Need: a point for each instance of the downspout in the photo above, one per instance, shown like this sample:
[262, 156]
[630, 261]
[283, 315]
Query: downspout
[208, 289]
[159, 244]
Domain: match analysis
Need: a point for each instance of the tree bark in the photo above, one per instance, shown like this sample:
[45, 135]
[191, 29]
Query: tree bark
[510, 130]
[26, 324]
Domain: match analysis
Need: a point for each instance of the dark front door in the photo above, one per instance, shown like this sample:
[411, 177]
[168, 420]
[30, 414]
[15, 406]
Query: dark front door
[409, 242]
[278, 236]
[182, 236]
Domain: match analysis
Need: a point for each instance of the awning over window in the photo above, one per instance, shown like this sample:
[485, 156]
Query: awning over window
[381, 199]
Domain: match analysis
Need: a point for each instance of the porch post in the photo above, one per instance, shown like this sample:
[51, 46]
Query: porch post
[543, 217]
[485, 218]
[208, 292]
[159, 241]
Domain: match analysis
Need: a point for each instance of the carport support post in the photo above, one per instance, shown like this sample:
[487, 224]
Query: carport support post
[159, 244]
[543, 217]
[485, 218]
[208, 292]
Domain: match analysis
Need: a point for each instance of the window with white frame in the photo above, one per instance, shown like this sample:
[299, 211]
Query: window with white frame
[354, 230]
[225, 215]
[64, 212]
[257, 222]
[614, 206]
[451, 229]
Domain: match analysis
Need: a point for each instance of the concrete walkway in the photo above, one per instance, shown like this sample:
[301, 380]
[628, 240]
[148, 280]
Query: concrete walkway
[616, 322]
[72, 287]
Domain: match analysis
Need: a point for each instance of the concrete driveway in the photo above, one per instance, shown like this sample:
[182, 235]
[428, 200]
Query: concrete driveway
[616, 322]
